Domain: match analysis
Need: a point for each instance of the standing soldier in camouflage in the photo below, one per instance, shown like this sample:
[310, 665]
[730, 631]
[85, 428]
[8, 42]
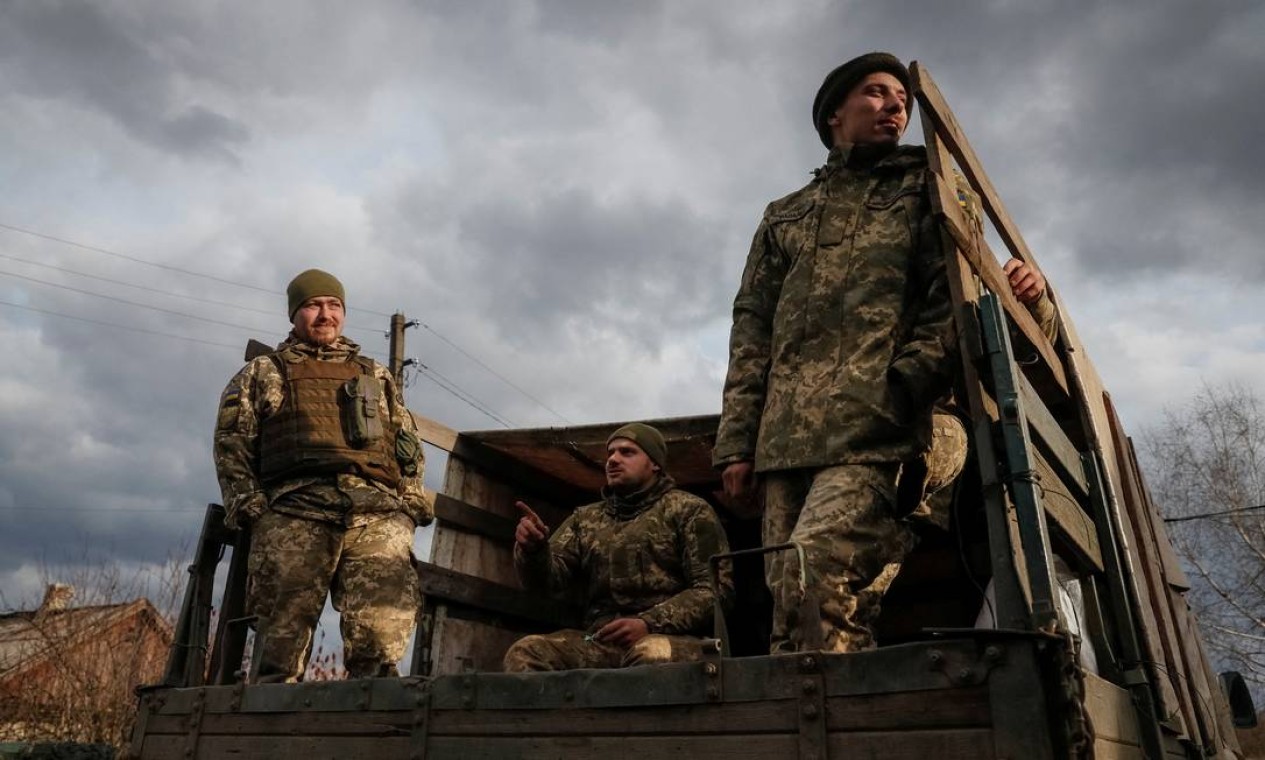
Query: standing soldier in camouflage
[842, 342]
[319, 458]
[639, 559]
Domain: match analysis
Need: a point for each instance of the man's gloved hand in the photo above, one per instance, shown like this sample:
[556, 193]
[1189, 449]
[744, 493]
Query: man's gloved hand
[421, 510]
[245, 510]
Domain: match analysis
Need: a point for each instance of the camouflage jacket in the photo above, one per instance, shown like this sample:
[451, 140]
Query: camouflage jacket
[256, 392]
[842, 332]
[642, 556]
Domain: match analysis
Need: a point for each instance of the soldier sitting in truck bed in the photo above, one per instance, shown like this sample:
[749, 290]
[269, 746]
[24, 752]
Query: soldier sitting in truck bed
[639, 558]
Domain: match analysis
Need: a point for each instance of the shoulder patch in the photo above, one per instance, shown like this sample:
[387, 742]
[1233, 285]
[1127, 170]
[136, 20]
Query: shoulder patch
[792, 207]
[230, 407]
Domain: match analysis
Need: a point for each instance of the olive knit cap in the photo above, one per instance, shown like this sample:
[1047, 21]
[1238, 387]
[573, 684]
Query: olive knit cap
[840, 82]
[649, 439]
[311, 284]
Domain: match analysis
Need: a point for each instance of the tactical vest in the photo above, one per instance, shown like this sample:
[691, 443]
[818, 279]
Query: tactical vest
[319, 429]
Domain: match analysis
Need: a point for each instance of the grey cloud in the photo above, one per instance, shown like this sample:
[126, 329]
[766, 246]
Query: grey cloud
[1119, 127]
[1119, 131]
[568, 254]
[87, 55]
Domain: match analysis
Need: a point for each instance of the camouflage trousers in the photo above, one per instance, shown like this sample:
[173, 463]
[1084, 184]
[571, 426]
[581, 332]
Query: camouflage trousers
[854, 532]
[368, 572]
[570, 649]
[843, 519]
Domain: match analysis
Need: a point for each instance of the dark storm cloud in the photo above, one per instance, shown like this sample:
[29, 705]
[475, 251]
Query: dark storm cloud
[81, 53]
[600, 171]
[639, 267]
[107, 443]
[1119, 128]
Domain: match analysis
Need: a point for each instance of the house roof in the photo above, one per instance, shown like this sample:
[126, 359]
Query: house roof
[25, 635]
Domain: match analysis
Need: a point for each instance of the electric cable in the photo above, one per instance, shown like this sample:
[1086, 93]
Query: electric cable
[192, 273]
[118, 326]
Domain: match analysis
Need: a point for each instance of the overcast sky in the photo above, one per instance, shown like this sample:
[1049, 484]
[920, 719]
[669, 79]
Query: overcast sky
[563, 190]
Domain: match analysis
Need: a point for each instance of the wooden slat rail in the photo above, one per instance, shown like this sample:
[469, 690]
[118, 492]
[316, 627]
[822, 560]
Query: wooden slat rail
[1067, 519]
[1052, 438]
[435, 433]
[973, 248]
[934, 104]
[452, 587]
[454, 513]
[1011, 607]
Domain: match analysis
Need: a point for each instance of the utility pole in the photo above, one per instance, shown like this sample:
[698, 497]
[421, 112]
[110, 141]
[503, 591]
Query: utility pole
[397, 360]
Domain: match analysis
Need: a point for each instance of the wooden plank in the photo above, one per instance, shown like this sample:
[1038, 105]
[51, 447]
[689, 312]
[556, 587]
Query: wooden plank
[955, 744]
[947, 127]
[1017, 696]
[471, 645]
[1051, 438]
[984, 263]
[471, 552]
[440, 583]
[1105, 749]
[455, 641]
[910, 711]
[1223, 720]
[1204, 689]
[1067, 519]
[1110, 711]
[966, 744]
[455, 513]
[1008, 578]
[752, 717]
[1159, 632]
[875, 712]
[273, 747]
[749, 717]
[435, 433]
[728, 747]
[362, 723]
[1173, 572]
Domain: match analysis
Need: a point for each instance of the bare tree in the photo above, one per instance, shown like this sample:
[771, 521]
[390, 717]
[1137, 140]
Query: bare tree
[1207, 469]
[78, 656]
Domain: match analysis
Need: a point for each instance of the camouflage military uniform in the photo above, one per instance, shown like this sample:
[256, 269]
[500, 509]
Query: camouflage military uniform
[319, 533]
[644, 556]
[842, 341]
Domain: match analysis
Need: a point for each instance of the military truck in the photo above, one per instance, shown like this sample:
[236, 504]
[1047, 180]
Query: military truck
[1049, 621]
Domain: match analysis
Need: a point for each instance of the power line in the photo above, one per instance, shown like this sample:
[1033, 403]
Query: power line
[496, 374]
[191, 273]
[160, 291]
[131, 303]
[118, 326]
[461, 395]
[1206, 515]
[471, 396]
[167, 267]
[134, 259]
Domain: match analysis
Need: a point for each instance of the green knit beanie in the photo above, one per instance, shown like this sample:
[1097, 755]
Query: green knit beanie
[649, 439]
[311, 284]
[840, 82]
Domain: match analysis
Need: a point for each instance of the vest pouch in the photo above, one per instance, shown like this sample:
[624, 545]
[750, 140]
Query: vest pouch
[359, 407]
[408, 450]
